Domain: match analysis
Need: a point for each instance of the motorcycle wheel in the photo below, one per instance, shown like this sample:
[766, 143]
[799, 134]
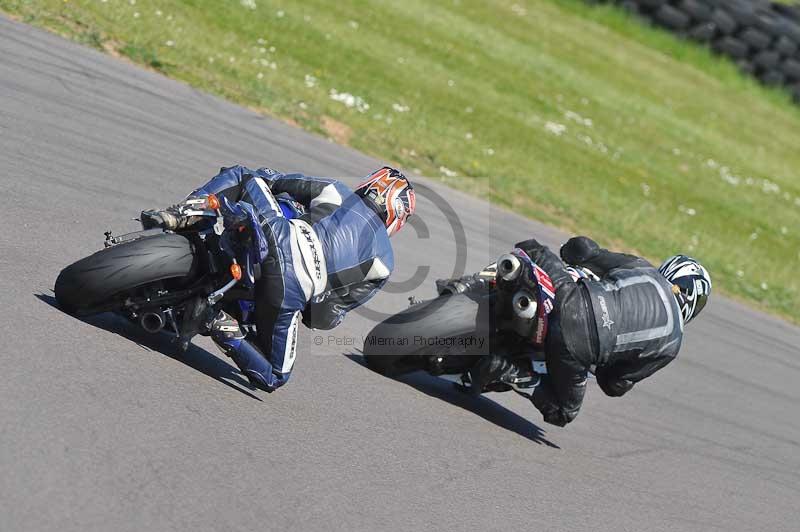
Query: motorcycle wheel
[402, 343]
[92, 284]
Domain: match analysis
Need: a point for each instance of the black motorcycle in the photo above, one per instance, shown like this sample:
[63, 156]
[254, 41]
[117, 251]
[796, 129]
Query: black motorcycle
[493, 312]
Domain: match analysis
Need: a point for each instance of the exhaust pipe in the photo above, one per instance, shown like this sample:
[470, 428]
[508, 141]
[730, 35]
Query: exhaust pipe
[152, 322]
[508, 267]
[524, 305]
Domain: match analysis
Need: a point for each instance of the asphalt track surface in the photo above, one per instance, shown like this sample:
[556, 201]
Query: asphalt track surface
[101, 428]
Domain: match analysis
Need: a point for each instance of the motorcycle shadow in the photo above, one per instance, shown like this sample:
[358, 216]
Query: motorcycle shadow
[195, 357]
[481, 405]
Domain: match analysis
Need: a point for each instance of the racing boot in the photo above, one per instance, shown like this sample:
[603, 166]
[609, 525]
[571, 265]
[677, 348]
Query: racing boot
[228, 335]
[493, 373]
[468, 283]
[488, 373]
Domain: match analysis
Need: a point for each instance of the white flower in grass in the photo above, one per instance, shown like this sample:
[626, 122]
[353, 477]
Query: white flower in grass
[280, 13]
[768, 187]
[468, 110]
[555, 128]
[353, 24]
[784, 230]
[489, 151]
[349, 100]
[447, 172]
[231, 59]
[132, 2]
[210, 59]
[728, 177]
[272, 49]
[170, 43]
[261, 40]
[676, 151]
[136, 14]
[468, 135]
[260, 76]
[158, 12]
[310, 81]
[400, 108]
[307, 18]
[575, 117]
[401, 60]
[302, 105]
[764, 286]
[739, 274]
[645, 189]
[754, 236]
[688, 211]
[518, 10]
[711, 163]
[451, 83]
[249, 4]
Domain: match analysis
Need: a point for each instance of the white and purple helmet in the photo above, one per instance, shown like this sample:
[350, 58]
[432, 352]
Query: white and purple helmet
[693, 284]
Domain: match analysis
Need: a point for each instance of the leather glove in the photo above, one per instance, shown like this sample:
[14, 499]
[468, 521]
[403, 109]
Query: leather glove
[170, 219]
[545, 403]
[167, 219]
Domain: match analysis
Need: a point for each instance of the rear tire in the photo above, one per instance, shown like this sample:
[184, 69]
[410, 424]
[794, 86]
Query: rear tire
[90, 285]
[401, 343]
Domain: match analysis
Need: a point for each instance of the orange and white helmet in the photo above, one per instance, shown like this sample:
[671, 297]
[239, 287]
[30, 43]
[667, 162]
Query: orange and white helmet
[391, 195]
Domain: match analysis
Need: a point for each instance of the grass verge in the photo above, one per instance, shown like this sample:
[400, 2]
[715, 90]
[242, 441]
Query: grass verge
[573, 114]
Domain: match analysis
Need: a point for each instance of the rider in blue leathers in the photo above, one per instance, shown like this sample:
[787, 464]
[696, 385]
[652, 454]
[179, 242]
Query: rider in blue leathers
[330, 260]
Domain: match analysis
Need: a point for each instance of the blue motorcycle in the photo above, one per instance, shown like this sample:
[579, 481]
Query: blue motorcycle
[174, 281]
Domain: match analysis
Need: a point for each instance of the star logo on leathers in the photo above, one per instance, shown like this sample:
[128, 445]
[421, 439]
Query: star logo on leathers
[607, 322]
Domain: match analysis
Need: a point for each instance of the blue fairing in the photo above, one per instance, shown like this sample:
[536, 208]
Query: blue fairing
[238, 213]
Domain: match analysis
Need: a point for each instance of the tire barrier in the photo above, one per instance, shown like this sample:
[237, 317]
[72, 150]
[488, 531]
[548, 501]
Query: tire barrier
[761, 37]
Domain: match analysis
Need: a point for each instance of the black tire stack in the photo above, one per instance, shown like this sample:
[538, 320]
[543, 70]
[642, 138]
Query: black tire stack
[762, 37]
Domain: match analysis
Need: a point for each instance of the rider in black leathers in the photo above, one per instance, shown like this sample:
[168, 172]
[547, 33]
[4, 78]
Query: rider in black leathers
[628, 325]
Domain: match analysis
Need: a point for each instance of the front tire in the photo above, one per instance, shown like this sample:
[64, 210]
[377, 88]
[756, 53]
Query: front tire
[91, 284]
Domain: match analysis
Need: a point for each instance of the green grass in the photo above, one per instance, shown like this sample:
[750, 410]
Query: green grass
[573, 114]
